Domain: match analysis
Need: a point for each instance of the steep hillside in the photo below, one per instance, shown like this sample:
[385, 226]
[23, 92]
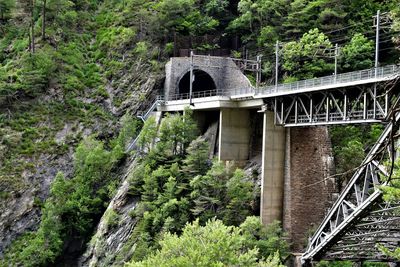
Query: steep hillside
[84, 74]
[74, 74]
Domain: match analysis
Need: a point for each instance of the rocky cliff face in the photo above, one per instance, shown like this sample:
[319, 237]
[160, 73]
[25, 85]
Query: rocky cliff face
[20, 208]
[21, 212]
[114, 229]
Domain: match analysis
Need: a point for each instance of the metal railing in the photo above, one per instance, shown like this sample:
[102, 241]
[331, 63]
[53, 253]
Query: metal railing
[332, 80]
[201, 94]
[349, 77]
[145, 115]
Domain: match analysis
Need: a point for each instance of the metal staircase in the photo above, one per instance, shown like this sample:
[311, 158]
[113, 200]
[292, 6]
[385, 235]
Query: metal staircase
[144, 116]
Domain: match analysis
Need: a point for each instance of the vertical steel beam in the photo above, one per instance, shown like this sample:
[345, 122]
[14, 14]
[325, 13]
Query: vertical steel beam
[311, 109]
[374, 101]
[365, 106]
[327, 109]
[386, 104]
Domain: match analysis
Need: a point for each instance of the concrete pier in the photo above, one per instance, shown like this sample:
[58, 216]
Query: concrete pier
[273, 169]
[234, 135]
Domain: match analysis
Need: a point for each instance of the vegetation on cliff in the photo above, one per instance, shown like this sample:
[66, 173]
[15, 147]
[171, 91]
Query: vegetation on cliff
[70, 70]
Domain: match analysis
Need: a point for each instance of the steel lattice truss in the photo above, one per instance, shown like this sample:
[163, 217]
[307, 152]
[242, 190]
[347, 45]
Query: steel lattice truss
[364, 104]
[360, 219]
[380, 225]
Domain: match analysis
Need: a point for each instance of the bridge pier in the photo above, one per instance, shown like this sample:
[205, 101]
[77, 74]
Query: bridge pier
[234, 135]
[273, 169]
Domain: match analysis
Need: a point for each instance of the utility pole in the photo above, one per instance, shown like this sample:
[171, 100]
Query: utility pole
[191, 78]
[336, 58]
[258, 73]
[378, 21]
[276, 63]
[336, 61]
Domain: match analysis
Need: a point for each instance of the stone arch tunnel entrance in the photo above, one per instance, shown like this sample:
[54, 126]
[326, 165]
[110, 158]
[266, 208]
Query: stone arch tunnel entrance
[202, 82]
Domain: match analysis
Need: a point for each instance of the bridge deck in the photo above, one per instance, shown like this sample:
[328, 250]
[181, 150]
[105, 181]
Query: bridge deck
[330, 82]
[349, 79]
[300, 103]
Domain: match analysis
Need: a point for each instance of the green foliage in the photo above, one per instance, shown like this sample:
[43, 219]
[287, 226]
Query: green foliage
[335, 264]
[129, 129]
[211, 245]
[268, 239]
[350, 144]
[260, 20]
[114, 37]
[36, 71]
[197, 160]
[208, 192]
[141, 48]
[111, 218]
[391, 192]
[357, 54]
[273, 260]
[240, 193]
[176, 183]
[147, 134]
[183, 16]
[395, 254]
[176, 133]
[89, 45]
[349, 157]
[395, 14]
[71, 208]
[216, 7]
[305, 15]
[222, 193]
[301, 58]
[6, 7]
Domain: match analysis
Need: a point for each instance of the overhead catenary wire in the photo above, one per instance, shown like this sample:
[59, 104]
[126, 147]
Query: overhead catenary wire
[385, 37]
[339, 39]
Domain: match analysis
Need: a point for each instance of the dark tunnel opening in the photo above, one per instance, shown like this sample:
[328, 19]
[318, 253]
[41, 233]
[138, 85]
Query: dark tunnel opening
[202, 82]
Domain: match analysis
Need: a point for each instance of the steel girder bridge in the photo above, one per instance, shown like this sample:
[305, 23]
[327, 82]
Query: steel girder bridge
[354, 97]
[360, 221]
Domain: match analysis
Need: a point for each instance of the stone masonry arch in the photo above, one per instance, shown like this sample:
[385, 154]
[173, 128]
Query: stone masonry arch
[223, 72]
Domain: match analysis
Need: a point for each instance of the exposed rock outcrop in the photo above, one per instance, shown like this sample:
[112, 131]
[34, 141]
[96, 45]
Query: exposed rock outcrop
[111, 235]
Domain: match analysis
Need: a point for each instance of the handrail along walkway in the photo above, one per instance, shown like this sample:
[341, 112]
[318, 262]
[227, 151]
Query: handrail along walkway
[322, 83]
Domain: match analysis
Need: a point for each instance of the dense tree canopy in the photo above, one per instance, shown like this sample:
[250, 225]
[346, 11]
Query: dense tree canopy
[211, 245]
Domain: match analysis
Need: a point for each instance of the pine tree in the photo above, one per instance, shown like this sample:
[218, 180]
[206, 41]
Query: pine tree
[6, 7]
